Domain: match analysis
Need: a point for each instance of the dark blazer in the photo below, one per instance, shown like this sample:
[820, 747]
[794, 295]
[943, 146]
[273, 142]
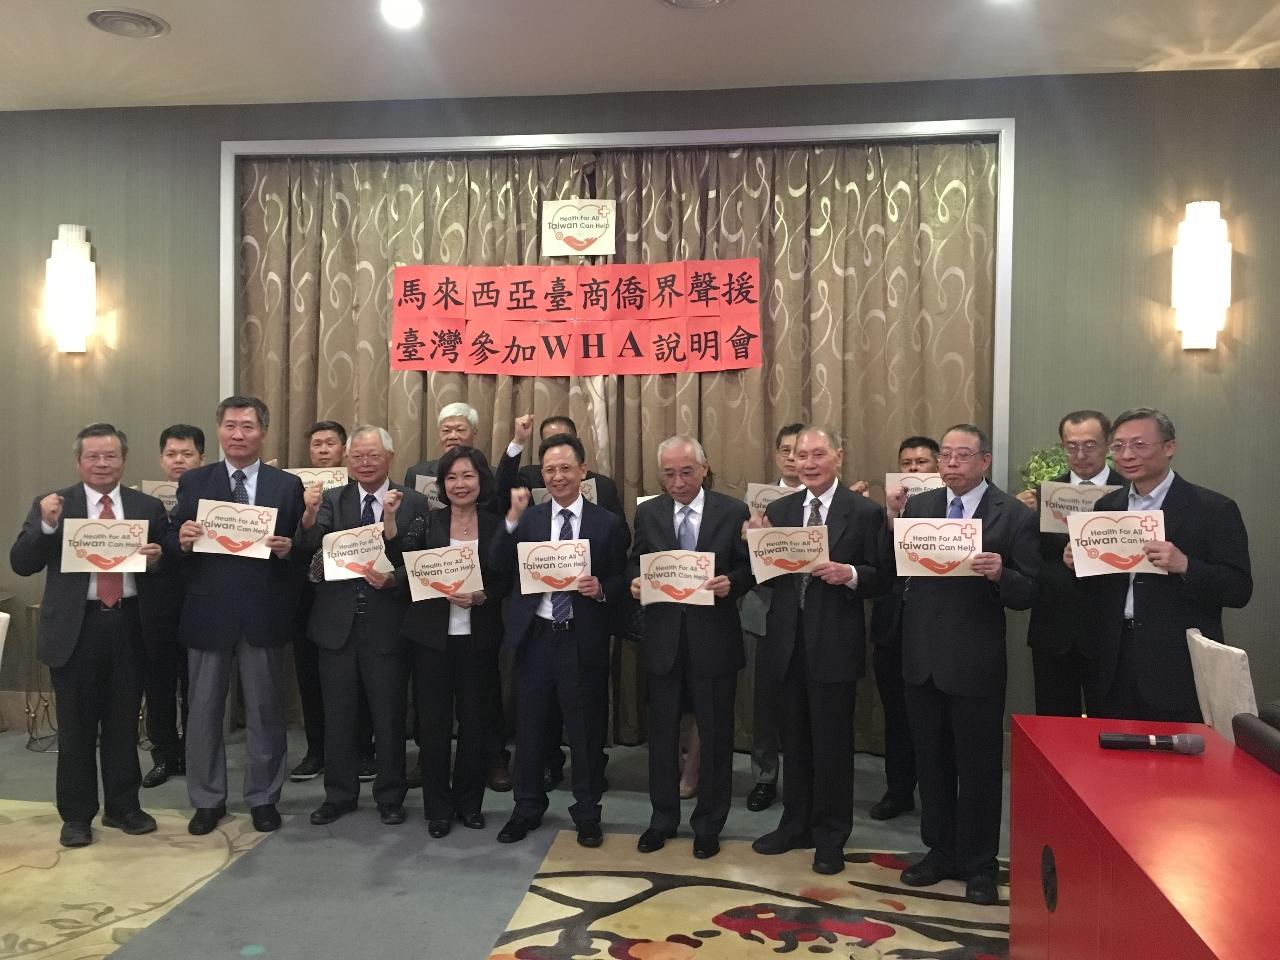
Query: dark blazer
[714, 632]
[333, 610]
[510, 474]
[953, 628]
[62, 606]
[834, 617]
[609, 538]
[1055, 619]
[232, 597]
[423, 468]
[427, 621]
[1208, 528]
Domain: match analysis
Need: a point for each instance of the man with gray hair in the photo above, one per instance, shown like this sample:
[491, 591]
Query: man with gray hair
[458, 425]
[692, 654]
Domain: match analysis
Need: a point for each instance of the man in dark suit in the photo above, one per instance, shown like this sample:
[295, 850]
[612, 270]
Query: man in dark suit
[915, 455]
[1144, 667]
[458, 425]
[510, 474]
[692, 654]
[90, 636]
[561, 640]
[181, 449]
[1064, 649]
[816, 641]
[356, 626]
[953, 662]
[237, 610]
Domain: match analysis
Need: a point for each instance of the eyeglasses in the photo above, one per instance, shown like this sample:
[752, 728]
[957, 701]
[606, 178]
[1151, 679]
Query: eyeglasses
[101, 457]
[1140, 448]
[1088, 446]
[959, 456]
[367, 458]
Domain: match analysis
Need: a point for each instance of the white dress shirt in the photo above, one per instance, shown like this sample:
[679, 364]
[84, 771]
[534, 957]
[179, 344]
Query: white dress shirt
[695, 508]
[575, 508]
[460, 617]
[1099, 478]
[250, 478]
[1150, 501]
[824, 510]
[968, 501]
[94, 500]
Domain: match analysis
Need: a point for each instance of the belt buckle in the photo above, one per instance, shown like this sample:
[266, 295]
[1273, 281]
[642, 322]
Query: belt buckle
[560, 626]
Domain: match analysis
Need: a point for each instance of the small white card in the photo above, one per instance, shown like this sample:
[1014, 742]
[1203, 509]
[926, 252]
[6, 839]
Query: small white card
[760, 495]
[1060, 500]
[548, 566]
[936, 548]
[913, 482]
[444, 571]
[677, 576]
[348, 554]
[166, 491]
[776, 551]
[1110, 541]
[235, 529]
[429, 488]
[103, 546]
[329, 477]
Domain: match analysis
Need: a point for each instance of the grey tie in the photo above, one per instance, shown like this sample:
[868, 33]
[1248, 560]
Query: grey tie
[1086, 483]
[239, 493]
[815, 520]
[684, 535]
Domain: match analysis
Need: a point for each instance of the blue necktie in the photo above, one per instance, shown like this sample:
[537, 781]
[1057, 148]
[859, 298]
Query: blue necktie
[366, 515]
[239, 493]
[562, 600]
[957, 510]
[684, 535]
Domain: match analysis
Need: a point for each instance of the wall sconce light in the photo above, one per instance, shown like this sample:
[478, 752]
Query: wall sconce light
[1201, 276]
[70, 289]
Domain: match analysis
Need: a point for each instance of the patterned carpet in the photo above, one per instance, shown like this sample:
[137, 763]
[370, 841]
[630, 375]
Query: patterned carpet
[83, 904]
[614, 903]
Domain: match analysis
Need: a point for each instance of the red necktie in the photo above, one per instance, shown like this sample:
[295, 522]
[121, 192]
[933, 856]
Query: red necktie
[110, 585]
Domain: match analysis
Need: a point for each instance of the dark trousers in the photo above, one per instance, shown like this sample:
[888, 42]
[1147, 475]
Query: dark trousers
[306, 667]
[547, 671]
[167, 687]
[1063, 682]
[1124, 700]
[99, 691]
[817, 755]
[384, 679]
[460, 682]
[712, 700]
[899, 753]
[959, 756]
[765, 739]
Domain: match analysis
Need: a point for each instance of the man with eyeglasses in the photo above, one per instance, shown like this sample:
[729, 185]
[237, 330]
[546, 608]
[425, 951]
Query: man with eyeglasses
[1144, 670]
[1064, 651]
[953, 663]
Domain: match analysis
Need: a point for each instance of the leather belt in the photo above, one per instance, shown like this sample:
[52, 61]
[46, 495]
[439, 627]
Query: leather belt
[556, 626]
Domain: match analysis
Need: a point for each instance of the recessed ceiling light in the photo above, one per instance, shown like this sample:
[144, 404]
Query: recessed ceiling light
[694, 4]
[134, 24]
[401, 14]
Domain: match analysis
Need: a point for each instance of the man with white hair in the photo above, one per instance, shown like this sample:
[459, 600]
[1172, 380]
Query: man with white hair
[458, 425]
[356, 625]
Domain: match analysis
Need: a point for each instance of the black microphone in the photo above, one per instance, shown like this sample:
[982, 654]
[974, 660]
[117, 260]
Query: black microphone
[1189, 743]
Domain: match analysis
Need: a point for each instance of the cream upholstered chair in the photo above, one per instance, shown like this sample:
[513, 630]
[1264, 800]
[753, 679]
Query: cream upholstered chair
[1223, 684]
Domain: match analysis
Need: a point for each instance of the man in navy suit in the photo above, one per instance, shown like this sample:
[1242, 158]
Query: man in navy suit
[237, 610]
[90, 636]
[561, 640]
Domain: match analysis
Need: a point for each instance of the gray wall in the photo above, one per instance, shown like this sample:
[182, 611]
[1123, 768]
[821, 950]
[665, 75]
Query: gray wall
[1104, 167]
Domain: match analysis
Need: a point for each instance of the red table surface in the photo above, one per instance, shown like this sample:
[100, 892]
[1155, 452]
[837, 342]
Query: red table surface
[1204, 829]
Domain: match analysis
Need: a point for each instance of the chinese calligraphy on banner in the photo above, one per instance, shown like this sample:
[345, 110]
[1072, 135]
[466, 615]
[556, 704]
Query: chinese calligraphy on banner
[691, 316]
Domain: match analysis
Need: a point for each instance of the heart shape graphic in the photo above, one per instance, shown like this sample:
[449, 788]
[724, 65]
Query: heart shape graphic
[465, 564]
[919, 554]
[252, 516]
[576, 564]
[568, 226]
[1108, 528]
[357, 551]
[802, 542]
[102, 561]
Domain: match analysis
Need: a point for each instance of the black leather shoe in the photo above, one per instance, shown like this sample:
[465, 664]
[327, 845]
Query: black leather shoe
[76, 833]
[368, 770]
[161, 772]
[265, 817]
[134, 822]
[310, 768]
[391, 813]
[705, 846]
[590, 834]
[517, 829]
[762, 796]
[777, 842]
[926, 873]
[206, 819]
[982, 890]
[551, 777]
[327, 813]
[652, 839]
[499, 777]
[472, 821]
[439, 828]
[888, 807]
[828, 862]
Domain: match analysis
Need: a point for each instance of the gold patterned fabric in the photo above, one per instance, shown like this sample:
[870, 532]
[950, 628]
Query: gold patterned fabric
[877, 276]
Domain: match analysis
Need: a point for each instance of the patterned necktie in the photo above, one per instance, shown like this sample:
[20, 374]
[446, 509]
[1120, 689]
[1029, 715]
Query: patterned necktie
[956, 512]
[1086, 483]
[684, 535]
[815, 520]
[110, 585]
[366, 515]
[239, 493]
[562, 600]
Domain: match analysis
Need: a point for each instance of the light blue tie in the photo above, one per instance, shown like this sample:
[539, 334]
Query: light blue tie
[562, 600]
[957, 510]
[685, 533]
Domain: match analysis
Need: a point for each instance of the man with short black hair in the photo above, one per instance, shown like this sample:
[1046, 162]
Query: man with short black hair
[510, 474]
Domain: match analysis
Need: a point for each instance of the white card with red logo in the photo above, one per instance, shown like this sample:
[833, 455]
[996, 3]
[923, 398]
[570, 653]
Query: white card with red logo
[429, 488]
[548, 566]
[913, 482]
[776, 551]
[588, 488]
[235, 529]
[677, 576]
[166, 491]
[1059, 500]
[444, 571]
[350, 554]
[103, 546]
[328, 477]
[760, 495]
[1110, 541]
[925, 547]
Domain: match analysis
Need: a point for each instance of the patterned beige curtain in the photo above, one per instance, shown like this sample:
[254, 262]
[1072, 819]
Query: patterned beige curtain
[877, 269]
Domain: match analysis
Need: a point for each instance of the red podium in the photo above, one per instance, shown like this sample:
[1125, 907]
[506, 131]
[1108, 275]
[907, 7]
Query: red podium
[1140, 854]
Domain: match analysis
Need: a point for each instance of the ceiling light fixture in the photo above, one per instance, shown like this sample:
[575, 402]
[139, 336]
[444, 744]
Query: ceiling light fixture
[131, 24]
[401, 14]
[694, 4]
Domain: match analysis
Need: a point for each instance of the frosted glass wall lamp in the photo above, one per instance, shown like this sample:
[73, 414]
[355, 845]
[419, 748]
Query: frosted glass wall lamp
[70, 289]
[1201, 276]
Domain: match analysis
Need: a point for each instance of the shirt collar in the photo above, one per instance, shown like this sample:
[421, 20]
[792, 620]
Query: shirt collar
[379, 495]
[575, 508]
[694, 505]
[250, 471]
[971, 499]
[93, 497]
[824, 498]
[1156, 497]
[1099, 478]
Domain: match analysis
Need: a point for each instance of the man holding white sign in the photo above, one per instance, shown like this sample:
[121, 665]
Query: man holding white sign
[953, 663]
[90, 634]
[817, 645]
[692, 654]
[1144, 670]
[561, 639]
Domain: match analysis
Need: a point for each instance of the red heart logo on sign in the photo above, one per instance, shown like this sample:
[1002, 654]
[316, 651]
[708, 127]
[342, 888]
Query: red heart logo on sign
[579, 227]
[357, 551]
[117, 555]
[1112, 532]
[919, 552]
[571, 563]
[244, 519]
[459, 561]
[805, 544]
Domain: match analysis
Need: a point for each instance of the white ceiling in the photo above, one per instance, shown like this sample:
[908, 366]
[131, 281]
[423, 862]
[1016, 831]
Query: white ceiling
[261, 51]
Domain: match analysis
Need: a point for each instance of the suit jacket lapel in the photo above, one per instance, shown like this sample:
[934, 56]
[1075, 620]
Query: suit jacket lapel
[77, 505]
[222, 481]
[838, 514]
[1175, 505]
[711, 515]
